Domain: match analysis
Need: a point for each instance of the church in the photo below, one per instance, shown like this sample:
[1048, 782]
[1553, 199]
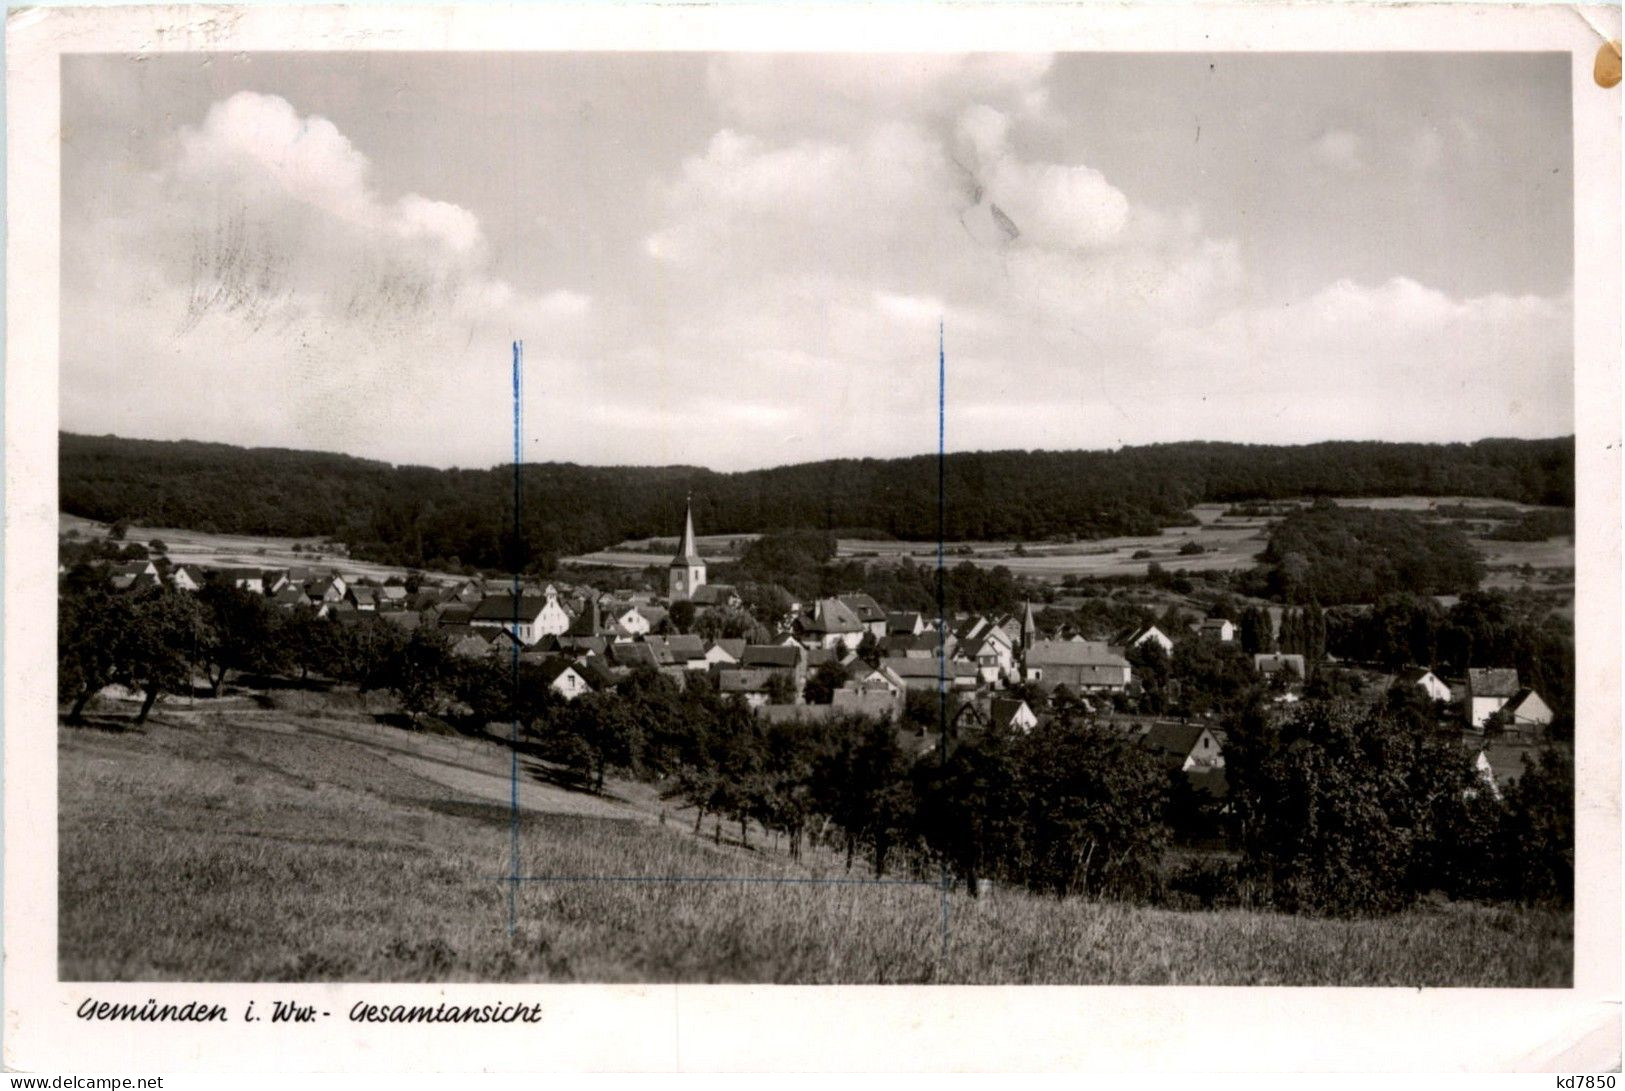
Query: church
[687, 573]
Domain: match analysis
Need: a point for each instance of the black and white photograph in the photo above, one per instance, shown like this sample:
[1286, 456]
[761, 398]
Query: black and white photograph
[696, 515]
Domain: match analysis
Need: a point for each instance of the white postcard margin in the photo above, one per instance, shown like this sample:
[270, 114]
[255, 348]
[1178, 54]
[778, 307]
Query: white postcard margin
[752, 1028]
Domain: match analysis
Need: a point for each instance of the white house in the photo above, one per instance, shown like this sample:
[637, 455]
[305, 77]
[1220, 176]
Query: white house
[830, 624]
[522, 618]
[1220, 629]
[1149, 632]
[1010, 714]
[1526, 709]
[1488, 689]
[1425, 680]
[566, 680]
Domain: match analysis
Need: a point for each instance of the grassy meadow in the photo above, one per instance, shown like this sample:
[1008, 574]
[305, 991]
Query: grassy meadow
[238, 842]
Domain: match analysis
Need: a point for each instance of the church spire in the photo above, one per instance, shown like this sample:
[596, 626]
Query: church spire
[687, 554]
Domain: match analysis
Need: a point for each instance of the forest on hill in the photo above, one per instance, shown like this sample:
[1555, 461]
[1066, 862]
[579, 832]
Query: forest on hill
[416, 515]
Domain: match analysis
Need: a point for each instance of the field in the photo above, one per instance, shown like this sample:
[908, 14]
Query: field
[265, 837]
[1229, 543]
[240, 550]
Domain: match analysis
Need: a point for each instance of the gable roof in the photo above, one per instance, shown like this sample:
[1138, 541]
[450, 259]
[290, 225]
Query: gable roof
[1525, 697]
[863, 607]
[770, 655]
[830, 616]
[907, 667]
[1492, 681]
[1079, 653]
[713, 594]
[500, 607]
[1003, 710]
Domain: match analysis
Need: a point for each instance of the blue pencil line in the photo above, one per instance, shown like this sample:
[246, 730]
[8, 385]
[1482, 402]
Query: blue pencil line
[942, 601]
[513, 767]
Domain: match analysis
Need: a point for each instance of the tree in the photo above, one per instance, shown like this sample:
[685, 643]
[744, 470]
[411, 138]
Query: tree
[156, 655]
[820, 688]
[970, 807]
[781, 688]
[1539, 830]
[421, 672]
[240, 633]
[682, 615]
[1095, 802]
[92, 625]
[118, 529]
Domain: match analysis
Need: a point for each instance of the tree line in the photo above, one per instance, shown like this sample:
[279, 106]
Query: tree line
[413, 515]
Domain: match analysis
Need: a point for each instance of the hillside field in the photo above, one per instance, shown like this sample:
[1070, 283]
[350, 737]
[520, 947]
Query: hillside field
[294, 837]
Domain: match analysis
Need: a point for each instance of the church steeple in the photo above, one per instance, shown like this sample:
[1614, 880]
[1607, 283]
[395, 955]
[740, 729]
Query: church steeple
[686, 553]
[1029, 627]
[687, 568]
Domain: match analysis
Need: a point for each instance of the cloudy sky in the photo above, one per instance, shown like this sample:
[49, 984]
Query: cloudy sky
[741, 260]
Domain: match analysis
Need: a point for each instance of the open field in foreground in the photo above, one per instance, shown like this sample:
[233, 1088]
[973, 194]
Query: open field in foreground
[239, 843]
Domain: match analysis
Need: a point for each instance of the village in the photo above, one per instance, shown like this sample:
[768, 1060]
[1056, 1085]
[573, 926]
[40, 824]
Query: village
[849, 655]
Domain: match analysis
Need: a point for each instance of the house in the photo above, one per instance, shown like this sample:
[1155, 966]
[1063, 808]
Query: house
[1526, 710]
[725, 651]
[632, 655]
[124, 576]
[928, 674]
[186, 577]
[720, 595]
[906, 623]
[688, 652]
[869, 613]
[1488, 689]
[362, 598]
[392, 597]
[687, 570]
[246, 579]
[632, 620]
[467, 642]
[1500, 763]
[273, 580]
[1183, 746]
[992, 651]
[520, 616]
[1136, 637]
[562, 677]
[327, 589]
[1428, 682]
[860, 676]
[787, 659]
[1218, 628]
[1011, 714]
[751, 683]
[289, 598]
[1271, 664]
[830, 623]
[1083, 665]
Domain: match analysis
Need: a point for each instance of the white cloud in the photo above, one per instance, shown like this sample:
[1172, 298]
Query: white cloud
[260, 272]
[1340, 149]
[1317, 367]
